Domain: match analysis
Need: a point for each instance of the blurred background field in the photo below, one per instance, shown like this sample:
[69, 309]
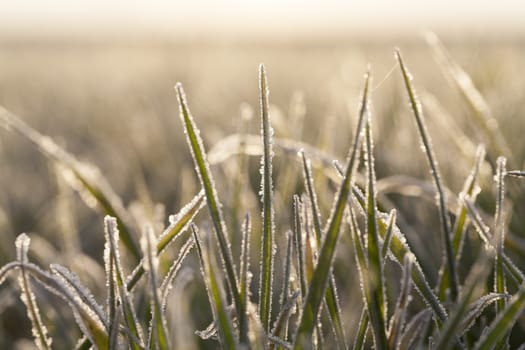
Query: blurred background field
[109, 100]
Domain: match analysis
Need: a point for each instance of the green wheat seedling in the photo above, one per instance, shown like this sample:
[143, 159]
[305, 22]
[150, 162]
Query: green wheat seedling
[296, 300]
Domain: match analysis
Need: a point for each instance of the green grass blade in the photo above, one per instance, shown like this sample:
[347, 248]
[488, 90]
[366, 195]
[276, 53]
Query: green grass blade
[268, 225]
[167, 282]
[215, 292]
[331, 297]
[397, 321]
[474, 284]
[413, 330]
[86, 176]
[399, 248]
[281, 324]
[505, 320]
[126, 303]
[299, 244]
[318, 284]
[470, 190]
[431, 158]
[388, 233]
[244, 273]
[158, 327]
[487, 239]
[476, 308]
[359, 342]
[376, 304]
[39, 330]
[178, 224]
[202, 168]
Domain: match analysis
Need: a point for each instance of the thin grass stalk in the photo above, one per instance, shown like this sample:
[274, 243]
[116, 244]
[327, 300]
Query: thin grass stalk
[359, 342]
[376, 300]
[268, 224]
[434, 171]
[286, 287]
[299, 244]
[167, 282]
[470, 189]
[397, 321]
[448, 336]
[126, 303]
[205, 176]
[331, 297]
[399, 248]
[215, 292]
[317, 287]
[178, 224]
[486, 238]
[244, 273]
[38, 329]
[390, 224]
[158, 327]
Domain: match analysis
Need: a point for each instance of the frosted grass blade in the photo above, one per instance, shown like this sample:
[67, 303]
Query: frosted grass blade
[158, 327]
[399, 248]
[505, 320]
[167, 282]
[215, 292]
[413, 330]
[390, 224]
[318, 284]
[331, 297]
[397, 321]
[476, 308]
[205, 176]
[375, 293]
[362, 329]
[299, 244]
[474, 284]
[434, 171]
[470, 191]
[126, 303]
[178, 224]
[268, 224]
[516, 173]
[87, 176]
[244, 273]
[500, 283]
[39, 330]
[486, 238]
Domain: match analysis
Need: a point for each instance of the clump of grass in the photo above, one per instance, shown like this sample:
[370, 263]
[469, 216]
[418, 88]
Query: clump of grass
[306, 310]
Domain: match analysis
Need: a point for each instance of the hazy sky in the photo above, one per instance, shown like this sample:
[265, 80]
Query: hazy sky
[272, 16]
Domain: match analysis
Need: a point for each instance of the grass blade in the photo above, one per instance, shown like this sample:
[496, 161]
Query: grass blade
[178, 224]
[126, 303]
[331, 297]
[397, 322]
[215, 292]
[470, 190]
[375, 292]
[39, 330]
[317, 288]
[158, 327]
[244, 273]
[86, 176]
[202, 167]
[431, 158]
[499, 328]
[167, 282]
[359, 342]
[476, 308]
[399, 248]
[299, 244]
[268, 224]
[413, 330]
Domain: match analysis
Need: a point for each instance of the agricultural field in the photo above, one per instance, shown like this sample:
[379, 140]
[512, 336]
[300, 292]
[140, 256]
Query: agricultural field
[343, 195]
